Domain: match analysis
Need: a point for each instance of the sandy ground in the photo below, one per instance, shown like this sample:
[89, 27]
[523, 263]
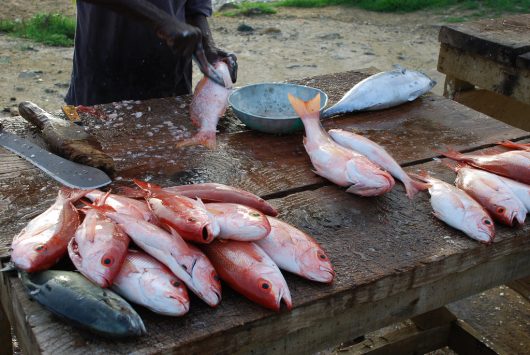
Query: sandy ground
[292, 44]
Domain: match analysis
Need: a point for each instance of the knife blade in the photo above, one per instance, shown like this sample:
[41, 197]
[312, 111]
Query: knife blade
[71, 174]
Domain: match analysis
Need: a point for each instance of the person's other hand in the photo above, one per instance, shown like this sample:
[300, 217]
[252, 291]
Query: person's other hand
[215, 54]
[180, 36]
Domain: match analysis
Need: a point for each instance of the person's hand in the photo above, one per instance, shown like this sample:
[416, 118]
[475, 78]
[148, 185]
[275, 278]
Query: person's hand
[179, 36]
[215, 54]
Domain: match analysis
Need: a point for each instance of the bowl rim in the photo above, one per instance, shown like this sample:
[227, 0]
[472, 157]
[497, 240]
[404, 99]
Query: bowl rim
[275, 83]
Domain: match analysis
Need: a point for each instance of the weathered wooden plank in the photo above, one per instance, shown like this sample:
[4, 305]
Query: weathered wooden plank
[5, 333]
[427, 332]
[501, 39]
[522, 287]
[504, 79]
[393, 260]
[466, 340]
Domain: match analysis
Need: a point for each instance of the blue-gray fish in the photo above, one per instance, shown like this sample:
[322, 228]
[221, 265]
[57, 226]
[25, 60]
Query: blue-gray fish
[383, 90]
[72, 297]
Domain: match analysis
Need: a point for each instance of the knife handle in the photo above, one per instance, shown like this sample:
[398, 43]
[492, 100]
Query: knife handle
[34, 114]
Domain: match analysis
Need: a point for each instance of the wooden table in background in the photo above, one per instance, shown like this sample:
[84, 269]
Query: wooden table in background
[393, 259]
[492, 54]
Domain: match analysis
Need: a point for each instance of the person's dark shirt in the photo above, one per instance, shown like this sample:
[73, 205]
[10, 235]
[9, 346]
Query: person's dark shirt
[119, 58]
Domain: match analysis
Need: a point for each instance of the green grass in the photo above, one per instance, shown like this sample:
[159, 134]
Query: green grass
[414, 5]
[50, 29]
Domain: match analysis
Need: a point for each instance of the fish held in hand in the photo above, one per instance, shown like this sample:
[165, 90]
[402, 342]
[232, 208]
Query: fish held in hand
[332, 161]
[98, 247]
[45, 238]
[187, 263]
[378, 155]
[249, 271]
[295, 251]
[238, 222]
[514, 164]
[459, 210]
[147, 282]
[207, 106]
[213, 192]
[72, 297]
[489, 190]
[187, 216]
[383, 90]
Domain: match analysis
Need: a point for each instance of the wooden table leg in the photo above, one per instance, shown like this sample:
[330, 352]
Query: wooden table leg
[6, 346]
[521, 286]
[453, 85]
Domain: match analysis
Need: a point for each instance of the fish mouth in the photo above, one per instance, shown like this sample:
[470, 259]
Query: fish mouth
[328, 274]
[284, 297]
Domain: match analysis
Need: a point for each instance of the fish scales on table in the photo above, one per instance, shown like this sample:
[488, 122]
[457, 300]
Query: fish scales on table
[187, 262]
[209, 103]
[334, 162]
[80, 302]
[459, 210]
[146, 281]
[98, 247]
[378, 155]
[383, 90]
[249, 271]
[239, 222]
[492, 193]
[295, 251]
[44, 240]
[187, 216]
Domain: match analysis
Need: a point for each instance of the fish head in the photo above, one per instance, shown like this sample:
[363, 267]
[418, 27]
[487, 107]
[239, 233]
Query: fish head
[33, 254]
[481, 227]
[315, 265]
[100, 260]
[419, 83]
[166, 293]
[204, 277]
[368, 180]
[270, 290]
[507, 209]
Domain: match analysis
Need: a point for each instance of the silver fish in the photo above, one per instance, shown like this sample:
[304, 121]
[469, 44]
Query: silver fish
[383, 90]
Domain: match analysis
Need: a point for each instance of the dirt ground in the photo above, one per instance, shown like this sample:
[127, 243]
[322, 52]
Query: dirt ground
[292, 44]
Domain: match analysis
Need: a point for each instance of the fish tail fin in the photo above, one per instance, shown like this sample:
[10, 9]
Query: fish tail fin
[306, 109]
[422, 175]
[72, 194]
[130, 192]
[100, 208]
[413, 187]
[513, 145]
[146, 186]
[452, 154]
[206, 139]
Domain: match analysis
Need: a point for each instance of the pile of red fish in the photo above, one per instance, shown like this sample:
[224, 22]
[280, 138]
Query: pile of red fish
[494, 186]
[187, 237]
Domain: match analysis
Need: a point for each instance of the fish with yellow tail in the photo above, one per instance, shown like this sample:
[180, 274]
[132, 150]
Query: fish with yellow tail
[334, 162]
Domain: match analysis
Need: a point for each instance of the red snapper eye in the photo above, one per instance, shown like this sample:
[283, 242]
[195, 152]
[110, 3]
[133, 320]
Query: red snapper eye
[175, 283]
[487, 222]
[215, 276]
[107, 260]
[500, 210]
[264, 285]
[321, 255]
[40, 248]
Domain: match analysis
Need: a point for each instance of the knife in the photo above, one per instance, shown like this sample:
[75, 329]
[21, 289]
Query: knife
[71, 174]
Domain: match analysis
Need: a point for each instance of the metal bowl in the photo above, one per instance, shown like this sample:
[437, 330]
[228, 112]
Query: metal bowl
[265, 107]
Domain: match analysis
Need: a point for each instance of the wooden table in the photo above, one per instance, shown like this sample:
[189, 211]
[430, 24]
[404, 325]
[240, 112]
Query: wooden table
[492, 54]
[393, 259]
